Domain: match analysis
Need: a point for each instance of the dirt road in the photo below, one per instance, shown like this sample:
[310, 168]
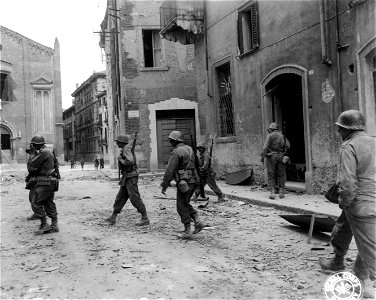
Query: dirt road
[247, 252]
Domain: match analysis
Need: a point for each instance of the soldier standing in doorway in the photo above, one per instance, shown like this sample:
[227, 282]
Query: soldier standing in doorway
[274, 149]
[206, 173]
[41, 169]
[128, 183]
[181, 167]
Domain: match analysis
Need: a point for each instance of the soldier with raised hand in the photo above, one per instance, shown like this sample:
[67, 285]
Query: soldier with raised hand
[181, 167]
[274, 149]
[357, 199]
[41, 169]
[128, 183]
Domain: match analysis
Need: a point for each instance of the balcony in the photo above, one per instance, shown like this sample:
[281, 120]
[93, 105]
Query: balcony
[182, 21]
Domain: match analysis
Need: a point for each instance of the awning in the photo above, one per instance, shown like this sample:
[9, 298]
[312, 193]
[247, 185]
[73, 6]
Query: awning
[183, 30]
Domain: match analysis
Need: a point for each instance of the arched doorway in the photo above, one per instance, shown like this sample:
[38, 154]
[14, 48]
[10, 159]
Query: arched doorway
[285, 101]
[5, 146]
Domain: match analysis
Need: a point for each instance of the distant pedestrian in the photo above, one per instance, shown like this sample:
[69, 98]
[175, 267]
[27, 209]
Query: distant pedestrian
[82, 162]
[181, 167]
[41, 169]
[274, 149]
[357, 195]
[73, 163]
[96, 163]
[101, 162]
[207, 174]
[128, 183]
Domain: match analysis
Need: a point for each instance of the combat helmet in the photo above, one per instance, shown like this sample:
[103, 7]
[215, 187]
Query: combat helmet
[122, 139]
[176, 136]
[37, 140]
[273, 126]
[351, 119]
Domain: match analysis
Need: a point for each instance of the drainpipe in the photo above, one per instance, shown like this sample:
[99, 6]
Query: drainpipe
[323, 31]
[206, 49]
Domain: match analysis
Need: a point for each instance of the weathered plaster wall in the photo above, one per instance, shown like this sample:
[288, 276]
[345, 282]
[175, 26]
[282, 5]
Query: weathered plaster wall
[289, 34]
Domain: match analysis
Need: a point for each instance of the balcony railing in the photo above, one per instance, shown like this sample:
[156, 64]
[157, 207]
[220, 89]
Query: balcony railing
[186, 9]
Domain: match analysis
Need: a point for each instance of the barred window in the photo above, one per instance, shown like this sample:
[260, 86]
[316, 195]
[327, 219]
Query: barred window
[248, 33]
[225, 107]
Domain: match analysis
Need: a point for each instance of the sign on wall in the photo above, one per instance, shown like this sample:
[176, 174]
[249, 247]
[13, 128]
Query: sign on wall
[133, 113]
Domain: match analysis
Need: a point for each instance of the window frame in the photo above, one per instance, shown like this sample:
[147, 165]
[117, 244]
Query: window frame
[248, 15]
[162, 67]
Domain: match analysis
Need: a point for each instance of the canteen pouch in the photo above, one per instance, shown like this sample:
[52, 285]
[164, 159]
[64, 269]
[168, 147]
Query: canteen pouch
[183, 186]
[182, 175]
[332, 194]
[285, 160]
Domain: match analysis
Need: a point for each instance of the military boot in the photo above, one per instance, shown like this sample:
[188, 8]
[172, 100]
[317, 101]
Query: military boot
[281, 193]
[54, 226]
[220, 198]
[112, 220]
[199, 225]
[43, 227]
[369, 291]
[272, 195]
[332, 264]
[195, 197]
[144, 220]
[33, 217]
[187, 233]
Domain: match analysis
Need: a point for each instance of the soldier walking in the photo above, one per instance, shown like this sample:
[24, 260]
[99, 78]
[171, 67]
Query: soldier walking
[274, 149]
[41, 169]
[128, 183]
[181, 167]
[207, 174]
[357, 194]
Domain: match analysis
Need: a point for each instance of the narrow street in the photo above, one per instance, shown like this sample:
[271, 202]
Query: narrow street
[246, 252]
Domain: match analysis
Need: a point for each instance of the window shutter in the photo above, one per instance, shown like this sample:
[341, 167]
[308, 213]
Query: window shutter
[254, 38]
[240, 34]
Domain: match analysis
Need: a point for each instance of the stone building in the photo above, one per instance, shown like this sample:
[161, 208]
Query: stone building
[298, 63]
[151, 82]
[69, 134]
[87, 117]
[30, 91]
[103, 125]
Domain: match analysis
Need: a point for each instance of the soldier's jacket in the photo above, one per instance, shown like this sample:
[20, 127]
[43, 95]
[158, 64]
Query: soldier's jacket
[357, 175]
[204, 159]
[127, 164]
[274, 143]
[181, 158]
[41, 166]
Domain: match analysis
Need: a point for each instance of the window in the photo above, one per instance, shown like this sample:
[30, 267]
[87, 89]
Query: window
[248, 35]
[152, 48]
[225, 107]
[7, 86]
[42, 111]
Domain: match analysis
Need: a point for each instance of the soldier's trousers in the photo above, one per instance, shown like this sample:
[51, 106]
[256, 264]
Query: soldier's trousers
[210, 181]
[341, 235]
[183, 206]
[276, 171]
[364, 231]
[43, 201]
[129, 191]
[31, 195]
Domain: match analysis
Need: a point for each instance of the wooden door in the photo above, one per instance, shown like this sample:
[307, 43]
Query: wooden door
[169, 120]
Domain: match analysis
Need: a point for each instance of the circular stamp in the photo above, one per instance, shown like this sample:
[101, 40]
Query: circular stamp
[343, 285]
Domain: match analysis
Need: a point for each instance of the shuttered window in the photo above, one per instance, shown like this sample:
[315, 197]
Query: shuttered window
[248, 32]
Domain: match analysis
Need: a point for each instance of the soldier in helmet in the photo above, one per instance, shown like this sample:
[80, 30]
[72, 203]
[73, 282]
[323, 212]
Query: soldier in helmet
[357, 196]
[128, 183]
[274, 149]
[207, 175]
[41, 169]
[181, 167]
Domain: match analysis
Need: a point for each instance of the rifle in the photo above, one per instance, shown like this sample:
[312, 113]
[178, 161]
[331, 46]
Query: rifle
[211, 153]
[197, 165]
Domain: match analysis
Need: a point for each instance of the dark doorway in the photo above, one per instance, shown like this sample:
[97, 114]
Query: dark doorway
[169, 120]
[5, 146]
[285, 95]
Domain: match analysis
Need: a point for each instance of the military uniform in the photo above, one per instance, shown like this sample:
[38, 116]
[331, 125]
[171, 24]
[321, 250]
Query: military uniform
[128, 183]
[183, 158]
[357, 198]
[41, 168]
[207, 175]
[274, 149]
